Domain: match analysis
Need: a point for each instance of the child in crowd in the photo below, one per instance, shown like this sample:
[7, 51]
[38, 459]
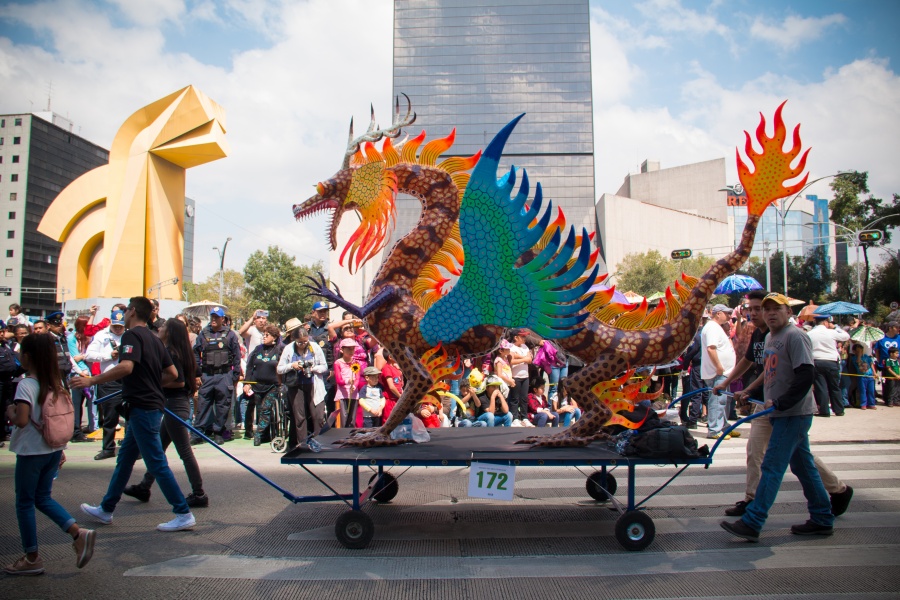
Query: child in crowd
[348, 379]
[495, 404]
[429, 410]
[36, 462]
[564, 405]
[371, 398]
[539, 412]
[862, 362]
[391, 381]
[469, 397]
[892, 375]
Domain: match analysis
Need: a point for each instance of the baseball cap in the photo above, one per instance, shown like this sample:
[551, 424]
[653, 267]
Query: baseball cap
[720, 308]
[217, 312]
[348, 343]
[56, 318]
[371, 371]
[320, 305]
[117, 318]
[778, 298]
[493, 380]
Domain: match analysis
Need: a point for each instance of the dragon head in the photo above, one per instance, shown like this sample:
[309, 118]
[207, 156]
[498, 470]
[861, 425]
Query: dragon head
[365, 185]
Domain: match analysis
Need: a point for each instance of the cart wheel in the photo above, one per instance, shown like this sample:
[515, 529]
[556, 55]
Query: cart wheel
[354, 529]
[386, 488]
[594, 486]
[279, 444]
[635, 530]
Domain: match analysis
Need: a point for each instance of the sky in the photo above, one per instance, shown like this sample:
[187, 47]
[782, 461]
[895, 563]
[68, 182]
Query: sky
[674, 80]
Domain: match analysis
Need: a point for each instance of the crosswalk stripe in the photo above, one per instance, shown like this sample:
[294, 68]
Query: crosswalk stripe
[740, 557]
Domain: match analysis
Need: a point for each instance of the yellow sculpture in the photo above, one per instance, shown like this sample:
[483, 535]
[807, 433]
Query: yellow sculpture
[122, 224]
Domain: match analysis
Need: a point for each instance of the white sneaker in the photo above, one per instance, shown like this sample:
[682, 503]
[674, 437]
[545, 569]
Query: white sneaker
[516, 423]
[527, 423]
[179, 523]
[98, 513]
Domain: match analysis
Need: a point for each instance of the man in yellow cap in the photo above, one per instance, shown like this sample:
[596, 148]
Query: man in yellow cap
[789, 375]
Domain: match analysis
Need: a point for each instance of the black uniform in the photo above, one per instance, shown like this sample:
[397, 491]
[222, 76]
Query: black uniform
[218, 355]
[318, 334]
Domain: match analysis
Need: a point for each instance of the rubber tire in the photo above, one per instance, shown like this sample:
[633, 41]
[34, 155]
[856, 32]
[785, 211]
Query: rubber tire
[279, 444]
[386, 489]
[635, 530]
[354, 529]
[592, 485]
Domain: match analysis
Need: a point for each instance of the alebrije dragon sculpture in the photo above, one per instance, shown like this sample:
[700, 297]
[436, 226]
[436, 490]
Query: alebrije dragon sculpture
[546, 294]
[612, 340]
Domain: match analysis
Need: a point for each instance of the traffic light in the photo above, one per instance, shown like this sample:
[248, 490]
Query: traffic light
[679, 254]
[870, 236]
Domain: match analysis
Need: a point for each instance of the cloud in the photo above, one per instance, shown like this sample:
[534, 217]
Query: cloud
[794, 31]
[150, 13]
[670, 15]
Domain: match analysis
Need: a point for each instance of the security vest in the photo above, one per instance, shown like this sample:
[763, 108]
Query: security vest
[216, 356]
[62, 354]
[319, 335]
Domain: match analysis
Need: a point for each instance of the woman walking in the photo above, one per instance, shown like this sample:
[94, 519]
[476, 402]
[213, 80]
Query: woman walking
[174, 336]
[36, 462]
[262, 370]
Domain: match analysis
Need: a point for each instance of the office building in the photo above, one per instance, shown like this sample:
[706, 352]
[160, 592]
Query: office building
[39, 156]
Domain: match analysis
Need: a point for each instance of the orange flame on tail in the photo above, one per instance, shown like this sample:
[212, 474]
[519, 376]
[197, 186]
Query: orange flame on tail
[772, 166]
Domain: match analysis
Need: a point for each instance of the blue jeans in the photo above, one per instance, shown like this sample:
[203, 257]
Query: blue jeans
[542, 419]
[493, 420]
[470, 423]
[142, 438]
[866, 391]
[789, 445]
[716, 406]
[34, 481]
[556, 373]
[568, 417]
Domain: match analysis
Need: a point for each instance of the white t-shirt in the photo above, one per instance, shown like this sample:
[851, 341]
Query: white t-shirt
[28, 441]
[713, 335]
[519, 371]
[254, 338]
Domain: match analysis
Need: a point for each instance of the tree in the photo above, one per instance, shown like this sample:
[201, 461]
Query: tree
[234, 295]
[650, 272]
[885, 285]
[275, 283]
[845, 278]
[850, 211]
[809, 276]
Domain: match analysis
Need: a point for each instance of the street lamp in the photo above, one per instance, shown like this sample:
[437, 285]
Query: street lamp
[782, 213]
[854, 237]
[222, 268]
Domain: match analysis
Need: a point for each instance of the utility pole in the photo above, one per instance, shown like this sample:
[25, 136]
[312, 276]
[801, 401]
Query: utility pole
[222, 268]
[768, 268]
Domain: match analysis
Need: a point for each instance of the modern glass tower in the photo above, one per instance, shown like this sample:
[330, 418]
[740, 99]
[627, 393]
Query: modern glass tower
[475, 65]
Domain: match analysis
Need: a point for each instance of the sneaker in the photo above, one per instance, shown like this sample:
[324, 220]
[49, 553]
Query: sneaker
[219, 440]
[690, 424]
[715, 436]
[197, 501]
[25, 567]
[516, 423]
[735, 433]
[741, 529]
[737, 510]
[103, 455]
[98, 513]
[179, 523]
[84, 546]
[811, 528]
[197, 441]
[138, 491]
[840, 502]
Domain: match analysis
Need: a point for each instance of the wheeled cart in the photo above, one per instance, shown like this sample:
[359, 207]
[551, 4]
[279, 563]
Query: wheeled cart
[460, 448]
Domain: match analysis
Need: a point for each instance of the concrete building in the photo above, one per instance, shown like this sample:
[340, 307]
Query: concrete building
[39, 156]
[665, 210]
[477, 65]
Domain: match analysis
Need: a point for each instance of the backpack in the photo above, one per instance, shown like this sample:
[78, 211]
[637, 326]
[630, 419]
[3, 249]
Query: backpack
[673, 442]
[9, 362]
[57, 420]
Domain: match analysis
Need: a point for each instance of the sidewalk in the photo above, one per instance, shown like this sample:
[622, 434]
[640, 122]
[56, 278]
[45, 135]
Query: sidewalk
[881, 425]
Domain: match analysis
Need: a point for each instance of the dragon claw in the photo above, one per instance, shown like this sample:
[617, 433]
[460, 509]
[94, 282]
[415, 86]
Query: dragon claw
[370, 439]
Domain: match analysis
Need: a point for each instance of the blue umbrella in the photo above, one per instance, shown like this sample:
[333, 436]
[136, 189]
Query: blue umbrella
[841, 308]
[737, 283]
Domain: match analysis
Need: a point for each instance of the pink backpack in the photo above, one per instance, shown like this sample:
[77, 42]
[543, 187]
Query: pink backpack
[57, 420]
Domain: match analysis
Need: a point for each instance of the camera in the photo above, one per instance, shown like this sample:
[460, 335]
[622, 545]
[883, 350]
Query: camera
[262, 313]
[306, 366]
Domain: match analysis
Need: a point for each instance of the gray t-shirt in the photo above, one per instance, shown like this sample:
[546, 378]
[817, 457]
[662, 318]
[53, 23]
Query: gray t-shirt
[28, 441]
[784, 352]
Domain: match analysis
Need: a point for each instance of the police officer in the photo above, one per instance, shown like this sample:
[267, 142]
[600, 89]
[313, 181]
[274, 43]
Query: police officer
[218, 353]
[322, 333]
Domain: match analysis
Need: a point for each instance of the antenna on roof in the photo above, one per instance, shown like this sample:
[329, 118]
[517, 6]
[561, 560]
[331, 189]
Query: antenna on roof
[49, 94]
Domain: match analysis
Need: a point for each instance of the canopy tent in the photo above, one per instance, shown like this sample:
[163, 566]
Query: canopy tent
[201, 309]
[841, 308]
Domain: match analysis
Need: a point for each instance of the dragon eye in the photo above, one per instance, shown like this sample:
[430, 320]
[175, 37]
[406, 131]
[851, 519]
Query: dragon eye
[320, 188]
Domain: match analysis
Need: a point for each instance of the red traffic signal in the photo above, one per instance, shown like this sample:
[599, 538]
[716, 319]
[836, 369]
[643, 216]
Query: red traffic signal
[870, 236]
[679, 254]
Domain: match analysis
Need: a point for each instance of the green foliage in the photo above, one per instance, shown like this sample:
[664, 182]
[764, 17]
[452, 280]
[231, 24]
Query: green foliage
[845, 278]
[885, 286]
[234, 297]
[809, 277]
[651, 272]
[850, 210]
[274, 283]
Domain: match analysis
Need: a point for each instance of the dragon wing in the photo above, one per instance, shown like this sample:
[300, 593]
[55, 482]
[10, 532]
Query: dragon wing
[496, 230]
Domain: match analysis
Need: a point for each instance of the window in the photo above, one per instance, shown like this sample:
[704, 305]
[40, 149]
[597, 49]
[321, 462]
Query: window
[9, 254]
[15, 158]
[14, 177]
[17, 140]
[1, 141]
[1, 160]
[9, 272]
[18, 122]
[12, 215]
[10, 235]
[2, 122]
[13, 196]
